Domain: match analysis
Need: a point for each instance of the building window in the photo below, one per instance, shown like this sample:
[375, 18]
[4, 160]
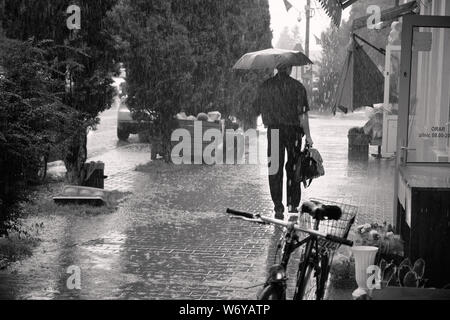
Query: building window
[429, 110]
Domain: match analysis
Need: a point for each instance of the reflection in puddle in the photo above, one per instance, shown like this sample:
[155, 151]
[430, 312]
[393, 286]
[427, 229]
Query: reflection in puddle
[104, 252]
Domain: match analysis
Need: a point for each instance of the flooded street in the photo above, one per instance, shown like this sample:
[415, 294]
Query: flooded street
[170, 238]
[135, 161]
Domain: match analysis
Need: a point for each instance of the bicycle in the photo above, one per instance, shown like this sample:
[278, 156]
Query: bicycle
[326, 226]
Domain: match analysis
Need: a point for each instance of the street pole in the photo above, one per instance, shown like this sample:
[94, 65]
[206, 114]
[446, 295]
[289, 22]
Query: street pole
[308, 27]
[299, 19]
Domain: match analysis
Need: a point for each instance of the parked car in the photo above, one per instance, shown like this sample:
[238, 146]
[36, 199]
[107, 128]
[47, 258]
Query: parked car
[127, 124]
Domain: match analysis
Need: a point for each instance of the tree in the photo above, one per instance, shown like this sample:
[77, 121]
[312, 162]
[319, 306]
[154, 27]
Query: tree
[335, 45]
[179, 56]
[285, 40]
[31, 112]
[297, 35]
[247, 29]
[289, 39]
[220, 32]
[83, 58]
[159, 60]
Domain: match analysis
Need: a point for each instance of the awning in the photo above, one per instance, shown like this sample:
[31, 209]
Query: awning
[388, 15]
[334, 9]
[361, 83]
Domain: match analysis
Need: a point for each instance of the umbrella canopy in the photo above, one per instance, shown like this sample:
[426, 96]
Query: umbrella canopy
[361, 83]
[271, 59]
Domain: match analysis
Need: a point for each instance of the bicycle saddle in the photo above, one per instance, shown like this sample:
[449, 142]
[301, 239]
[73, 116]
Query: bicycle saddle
[321, 211]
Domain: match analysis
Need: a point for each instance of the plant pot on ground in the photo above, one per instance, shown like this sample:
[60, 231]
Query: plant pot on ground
[342, 271]
[342, 277]
[382, 236]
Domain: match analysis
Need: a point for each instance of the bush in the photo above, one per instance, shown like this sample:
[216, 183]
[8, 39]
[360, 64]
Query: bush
[18, 242]
[81, 60]
[390, 246]
[32, 117]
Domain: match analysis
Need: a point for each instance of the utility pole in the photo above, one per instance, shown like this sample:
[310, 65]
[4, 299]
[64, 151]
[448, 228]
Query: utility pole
[308, 75]
[307, 78]
[308, 25]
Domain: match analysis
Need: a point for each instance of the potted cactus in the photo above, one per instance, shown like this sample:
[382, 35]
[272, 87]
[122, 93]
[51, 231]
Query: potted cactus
[405, 275]
[406, 282]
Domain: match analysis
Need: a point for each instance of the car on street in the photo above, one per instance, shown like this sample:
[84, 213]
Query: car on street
[127, 123]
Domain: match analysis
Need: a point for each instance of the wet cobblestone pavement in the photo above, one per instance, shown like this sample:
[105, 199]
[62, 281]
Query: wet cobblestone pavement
[171, 239]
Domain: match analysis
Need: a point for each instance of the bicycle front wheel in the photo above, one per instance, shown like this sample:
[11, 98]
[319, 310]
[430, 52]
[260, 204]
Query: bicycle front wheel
[272, 292]
[312, 285]
[307, 285]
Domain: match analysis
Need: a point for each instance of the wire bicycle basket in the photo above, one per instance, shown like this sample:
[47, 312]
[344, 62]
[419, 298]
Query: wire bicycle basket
[339, 228]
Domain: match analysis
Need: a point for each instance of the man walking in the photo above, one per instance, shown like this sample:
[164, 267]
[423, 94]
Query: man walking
[282, 101]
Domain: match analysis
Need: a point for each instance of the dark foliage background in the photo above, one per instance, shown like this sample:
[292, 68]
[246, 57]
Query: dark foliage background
[32, 114]
[84, 59]
[54, 82]
[179, 55]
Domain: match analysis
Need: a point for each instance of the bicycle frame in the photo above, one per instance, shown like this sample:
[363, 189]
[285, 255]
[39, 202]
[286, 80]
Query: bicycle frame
[319, 264]
[313, 256]
[277, 273]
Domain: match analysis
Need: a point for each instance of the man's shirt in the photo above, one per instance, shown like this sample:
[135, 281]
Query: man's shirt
[281, 100]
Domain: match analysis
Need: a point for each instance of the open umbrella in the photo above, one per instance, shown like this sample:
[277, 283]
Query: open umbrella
[271, 59]
[361, 83]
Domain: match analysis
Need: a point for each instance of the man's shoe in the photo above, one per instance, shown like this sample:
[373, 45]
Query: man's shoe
[293, 210]
[279, 211]
[279, 215]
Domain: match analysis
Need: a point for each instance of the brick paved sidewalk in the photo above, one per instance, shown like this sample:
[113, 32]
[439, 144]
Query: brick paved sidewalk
[120, 165]
[172, 239]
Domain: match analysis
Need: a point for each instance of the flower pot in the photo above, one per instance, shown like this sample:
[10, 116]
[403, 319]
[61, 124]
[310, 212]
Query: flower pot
[340, 289]
[364, 257]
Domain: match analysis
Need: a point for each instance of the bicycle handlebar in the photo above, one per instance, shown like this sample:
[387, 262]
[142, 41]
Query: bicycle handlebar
[296, 227]
[241, 214]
